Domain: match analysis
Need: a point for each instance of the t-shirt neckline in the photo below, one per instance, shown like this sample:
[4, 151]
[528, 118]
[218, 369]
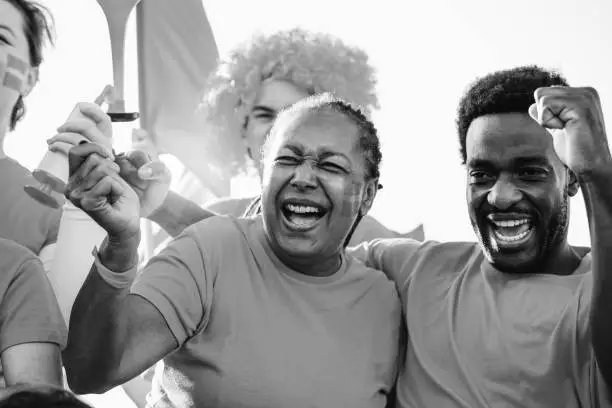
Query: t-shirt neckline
[262, 247]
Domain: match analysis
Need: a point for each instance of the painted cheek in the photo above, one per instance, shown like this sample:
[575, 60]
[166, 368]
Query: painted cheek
[351, 198]
[13, 72]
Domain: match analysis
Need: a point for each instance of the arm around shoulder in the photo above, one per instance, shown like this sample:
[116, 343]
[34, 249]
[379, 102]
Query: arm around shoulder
[391, 256]
[177, 213]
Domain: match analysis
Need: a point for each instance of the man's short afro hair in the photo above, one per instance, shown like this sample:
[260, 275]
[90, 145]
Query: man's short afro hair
[506, 91]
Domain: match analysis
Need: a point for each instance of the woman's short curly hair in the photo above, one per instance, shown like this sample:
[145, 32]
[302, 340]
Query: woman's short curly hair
[314, 62]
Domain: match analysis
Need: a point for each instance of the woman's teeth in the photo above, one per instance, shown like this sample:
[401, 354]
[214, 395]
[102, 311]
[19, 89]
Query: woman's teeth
[303, 216]
[302, 209]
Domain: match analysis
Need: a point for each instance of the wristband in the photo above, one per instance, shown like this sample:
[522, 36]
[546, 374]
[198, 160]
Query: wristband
[118, 280]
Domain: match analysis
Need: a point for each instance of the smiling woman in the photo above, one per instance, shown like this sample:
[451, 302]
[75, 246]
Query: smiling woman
[320, 177]
[267, 311]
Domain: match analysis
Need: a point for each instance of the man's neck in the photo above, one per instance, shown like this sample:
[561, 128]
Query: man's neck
[564, 260]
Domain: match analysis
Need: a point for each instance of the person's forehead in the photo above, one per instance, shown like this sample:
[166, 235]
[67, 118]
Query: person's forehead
[278, 94]
[327, 130]
[11, 18]
[507, 135]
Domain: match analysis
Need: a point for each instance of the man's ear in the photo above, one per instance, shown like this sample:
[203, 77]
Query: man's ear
[572, 183]
[369, 194]
[30, 82]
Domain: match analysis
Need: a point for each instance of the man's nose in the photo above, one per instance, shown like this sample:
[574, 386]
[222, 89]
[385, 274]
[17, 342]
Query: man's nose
[504, 194]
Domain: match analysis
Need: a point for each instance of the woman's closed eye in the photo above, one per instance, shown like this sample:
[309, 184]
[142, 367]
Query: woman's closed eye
[4, 40]
[332, 167]
[287, 160]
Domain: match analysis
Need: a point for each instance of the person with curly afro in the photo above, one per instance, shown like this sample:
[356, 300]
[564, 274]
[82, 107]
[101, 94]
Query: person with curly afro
[250, 87]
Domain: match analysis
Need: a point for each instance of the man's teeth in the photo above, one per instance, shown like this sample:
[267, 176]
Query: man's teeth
[303, 209]
[512, 238]
[512, 230]
[510, 223]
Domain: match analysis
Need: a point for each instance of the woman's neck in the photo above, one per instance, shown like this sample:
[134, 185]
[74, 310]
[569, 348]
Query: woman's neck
[314, 265]
[311, 266]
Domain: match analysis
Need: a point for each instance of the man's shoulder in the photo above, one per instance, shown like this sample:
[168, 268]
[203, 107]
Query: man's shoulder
[408, 248]
[400, 258]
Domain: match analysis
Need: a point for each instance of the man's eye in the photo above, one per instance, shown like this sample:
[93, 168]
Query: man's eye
[532, 173]
[477, 176]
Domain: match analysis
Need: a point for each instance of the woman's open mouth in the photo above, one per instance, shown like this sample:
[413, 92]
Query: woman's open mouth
[302, 216]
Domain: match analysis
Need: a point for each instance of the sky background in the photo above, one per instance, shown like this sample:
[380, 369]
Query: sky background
[426, 53]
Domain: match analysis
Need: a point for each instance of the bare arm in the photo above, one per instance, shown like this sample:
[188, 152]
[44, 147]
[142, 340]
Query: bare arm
[177, 213]
[597, 192]
[118, 333]
[32, 363]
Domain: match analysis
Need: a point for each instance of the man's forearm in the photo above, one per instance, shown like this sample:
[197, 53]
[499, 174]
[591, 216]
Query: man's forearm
[95, 322]
[597, 192]
[178, 213]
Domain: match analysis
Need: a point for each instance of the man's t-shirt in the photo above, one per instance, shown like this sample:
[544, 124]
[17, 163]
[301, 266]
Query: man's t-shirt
[28, 309]
[23, 219]
[255, 334]
[480, 338]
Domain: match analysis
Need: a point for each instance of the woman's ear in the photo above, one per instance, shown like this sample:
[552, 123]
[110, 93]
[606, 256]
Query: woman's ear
[371, 188]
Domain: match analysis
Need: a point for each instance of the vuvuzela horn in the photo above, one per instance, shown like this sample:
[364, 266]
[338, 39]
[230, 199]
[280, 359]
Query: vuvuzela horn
[117, 13]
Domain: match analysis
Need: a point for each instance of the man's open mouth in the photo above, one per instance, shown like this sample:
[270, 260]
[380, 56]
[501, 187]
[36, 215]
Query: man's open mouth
[511, 232]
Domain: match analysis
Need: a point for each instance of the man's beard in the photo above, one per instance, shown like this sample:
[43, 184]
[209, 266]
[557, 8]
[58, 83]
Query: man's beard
[556, 233]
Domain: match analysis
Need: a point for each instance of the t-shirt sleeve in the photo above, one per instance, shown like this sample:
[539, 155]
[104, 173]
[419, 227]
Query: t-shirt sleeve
[179, 283]
[391, 256]
[53, 219]
[29, 312]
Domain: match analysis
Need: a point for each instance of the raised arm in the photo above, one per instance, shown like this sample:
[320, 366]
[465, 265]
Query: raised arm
[119, 328]
[118, 333]
[576, 121]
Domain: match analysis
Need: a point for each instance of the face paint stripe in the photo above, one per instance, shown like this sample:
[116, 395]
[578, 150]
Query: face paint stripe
[16, 63]
[13, 82]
